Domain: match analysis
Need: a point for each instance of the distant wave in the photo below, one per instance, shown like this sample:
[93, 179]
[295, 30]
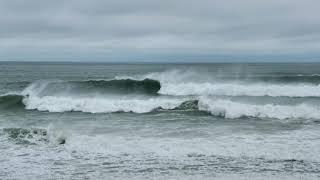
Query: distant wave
[309, 75]
[308, 78]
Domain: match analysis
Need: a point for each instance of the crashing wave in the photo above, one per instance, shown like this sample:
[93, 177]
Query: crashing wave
[240, 89]
[183, 83]
[218, 107]
[147, 93]
[230, 109]
[99, 104]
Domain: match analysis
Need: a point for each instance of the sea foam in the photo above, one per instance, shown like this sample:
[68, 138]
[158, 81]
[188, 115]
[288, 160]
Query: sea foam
[231, 109]
[99, 104]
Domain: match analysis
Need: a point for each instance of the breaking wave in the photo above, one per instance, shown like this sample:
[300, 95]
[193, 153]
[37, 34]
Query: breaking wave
[240, 89]
[231, 109]
[183, 83]
[169, 91]
[100, 105]
[225, 108]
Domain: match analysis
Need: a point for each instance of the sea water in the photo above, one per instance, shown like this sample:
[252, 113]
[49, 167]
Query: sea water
[159, 121]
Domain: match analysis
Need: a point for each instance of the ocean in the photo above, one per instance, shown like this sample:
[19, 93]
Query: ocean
[159, 121]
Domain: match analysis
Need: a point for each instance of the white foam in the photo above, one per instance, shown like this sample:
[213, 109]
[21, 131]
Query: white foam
[230, 109]
[240, 89]
[98, 104]
[276, 146]
[308, 75]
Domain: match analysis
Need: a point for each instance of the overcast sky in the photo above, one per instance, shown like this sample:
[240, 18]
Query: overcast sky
[162, 30]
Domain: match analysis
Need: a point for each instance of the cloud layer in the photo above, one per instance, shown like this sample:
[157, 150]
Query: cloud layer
[118, 29]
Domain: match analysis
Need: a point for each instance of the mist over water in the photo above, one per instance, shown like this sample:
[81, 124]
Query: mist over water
[160, 121]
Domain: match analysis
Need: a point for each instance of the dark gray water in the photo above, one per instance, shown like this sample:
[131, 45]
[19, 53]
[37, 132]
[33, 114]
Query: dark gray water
[159, 121]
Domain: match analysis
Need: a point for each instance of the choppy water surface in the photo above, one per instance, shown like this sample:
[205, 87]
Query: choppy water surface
[159, 121]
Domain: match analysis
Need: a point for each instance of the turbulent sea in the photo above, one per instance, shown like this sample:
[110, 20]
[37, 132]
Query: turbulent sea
[159, 121]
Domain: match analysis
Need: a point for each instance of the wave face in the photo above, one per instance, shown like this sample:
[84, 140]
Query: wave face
[127, 86]
[123, 86]
[11, 101]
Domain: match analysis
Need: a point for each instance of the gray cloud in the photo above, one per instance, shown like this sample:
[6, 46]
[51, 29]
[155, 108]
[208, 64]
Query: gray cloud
[163, 28]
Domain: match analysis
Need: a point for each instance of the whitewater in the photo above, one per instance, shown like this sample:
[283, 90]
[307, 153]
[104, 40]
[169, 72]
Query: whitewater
[159, 121]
